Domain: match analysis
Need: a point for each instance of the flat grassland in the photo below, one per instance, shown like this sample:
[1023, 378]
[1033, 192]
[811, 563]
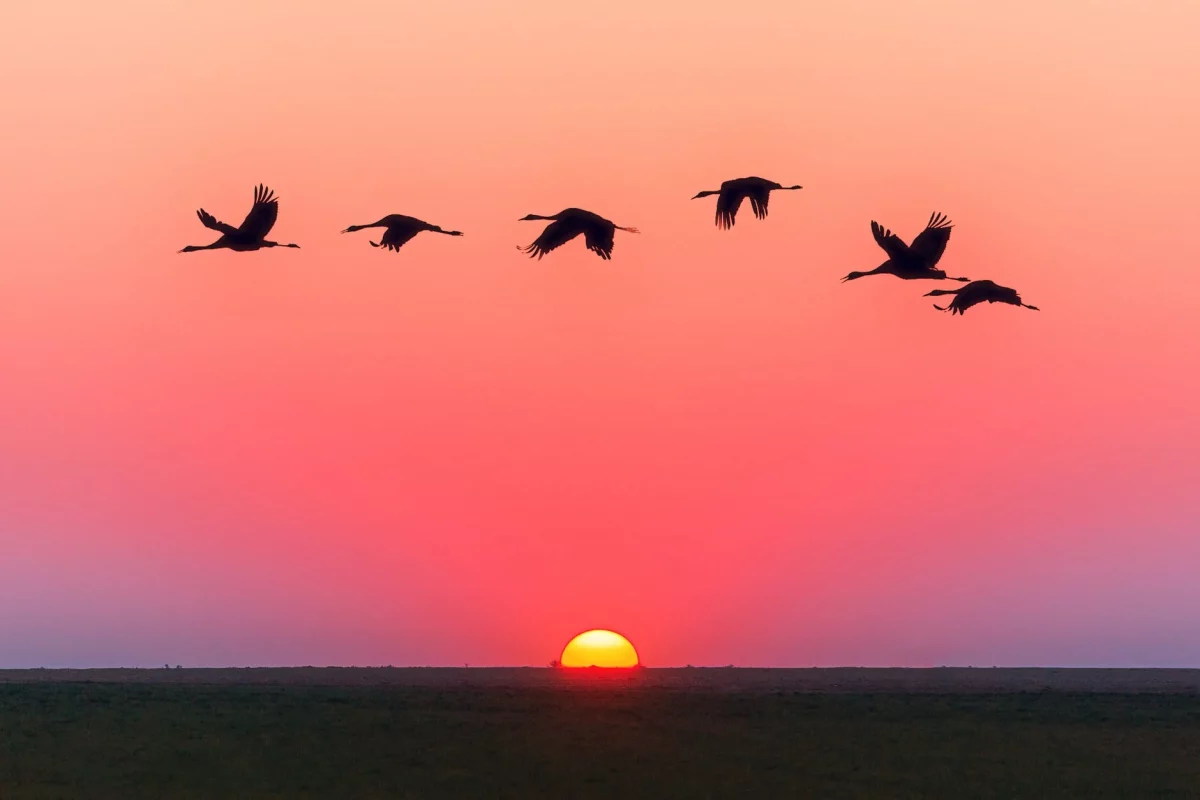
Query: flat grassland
[530, 733]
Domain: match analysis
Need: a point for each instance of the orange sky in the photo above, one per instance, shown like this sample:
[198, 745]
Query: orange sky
[456, 454]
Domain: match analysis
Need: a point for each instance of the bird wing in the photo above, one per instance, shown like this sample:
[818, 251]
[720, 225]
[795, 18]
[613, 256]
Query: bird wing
[599, 239]
[728, 202]
[396, 235]
[759, 197]
[973, 294]
[261, 219]
[892, 244]
[555, 235]
[995, 293]
[931, 242]
[211, 222]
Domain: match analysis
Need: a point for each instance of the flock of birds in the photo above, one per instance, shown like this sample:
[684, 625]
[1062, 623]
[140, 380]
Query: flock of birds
[915, 261]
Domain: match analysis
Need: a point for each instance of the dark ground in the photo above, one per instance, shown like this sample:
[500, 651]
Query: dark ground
[528, 733]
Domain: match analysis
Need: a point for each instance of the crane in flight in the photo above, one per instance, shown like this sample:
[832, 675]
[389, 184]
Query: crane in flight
[977, 292]
[598, 232]
[912, 261]
[400, 229]
[733, 192]
[251, 234]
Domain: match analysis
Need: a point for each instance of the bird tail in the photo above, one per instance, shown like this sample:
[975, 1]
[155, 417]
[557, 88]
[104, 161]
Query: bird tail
[627, 230]
[1031, 308]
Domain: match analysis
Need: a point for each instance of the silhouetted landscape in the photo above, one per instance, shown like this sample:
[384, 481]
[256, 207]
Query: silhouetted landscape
[538, 732]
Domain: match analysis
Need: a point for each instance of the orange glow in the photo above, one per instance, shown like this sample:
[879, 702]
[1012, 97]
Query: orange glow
[599, 648]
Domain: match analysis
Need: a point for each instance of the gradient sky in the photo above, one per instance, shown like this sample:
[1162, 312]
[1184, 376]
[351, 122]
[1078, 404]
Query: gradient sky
[456, 454]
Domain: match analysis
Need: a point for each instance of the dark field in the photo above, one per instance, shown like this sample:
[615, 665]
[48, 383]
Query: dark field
[334, 733]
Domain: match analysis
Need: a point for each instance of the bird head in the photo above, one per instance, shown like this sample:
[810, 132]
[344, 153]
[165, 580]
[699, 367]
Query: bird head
[530, 218]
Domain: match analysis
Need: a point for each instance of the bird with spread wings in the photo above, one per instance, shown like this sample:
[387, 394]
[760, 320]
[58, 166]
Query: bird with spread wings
[733, 192]
[912, 261]
[400, 230]
[977, 292]
[252, 233]
[598, 232]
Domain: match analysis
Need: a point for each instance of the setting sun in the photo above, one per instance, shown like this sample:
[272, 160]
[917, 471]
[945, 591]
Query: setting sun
[599, 648]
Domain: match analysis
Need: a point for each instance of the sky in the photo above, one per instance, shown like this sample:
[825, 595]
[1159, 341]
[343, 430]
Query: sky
[455, 454]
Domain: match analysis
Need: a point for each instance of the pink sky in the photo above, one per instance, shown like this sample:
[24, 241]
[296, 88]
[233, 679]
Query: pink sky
[455, 454]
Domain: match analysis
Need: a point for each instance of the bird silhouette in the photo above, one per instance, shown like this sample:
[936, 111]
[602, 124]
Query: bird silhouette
[251, 234]
[912, 261]
[733, 192]
[564, 226]
[977, 292]
[399, 230]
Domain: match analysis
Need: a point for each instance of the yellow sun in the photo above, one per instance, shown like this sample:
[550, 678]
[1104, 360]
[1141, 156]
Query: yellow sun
[599, 648]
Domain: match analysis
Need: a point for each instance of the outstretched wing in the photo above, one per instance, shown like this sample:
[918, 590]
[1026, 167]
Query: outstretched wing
[892, 244]
[931, 242]
[599, 239]
[759, 197]
[555, 235]
[975, 293]
[396, 235]
[261, 219]
[211, 222]
[728, 202]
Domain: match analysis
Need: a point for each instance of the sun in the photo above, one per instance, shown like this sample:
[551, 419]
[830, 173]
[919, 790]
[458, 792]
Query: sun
[599, 648]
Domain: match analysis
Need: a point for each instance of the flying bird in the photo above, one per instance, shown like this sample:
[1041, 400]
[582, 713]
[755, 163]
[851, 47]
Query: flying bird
[977, 292]
[912, 261]
[251, 234]
[733, 192]
[399, 230]
[564, 226]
